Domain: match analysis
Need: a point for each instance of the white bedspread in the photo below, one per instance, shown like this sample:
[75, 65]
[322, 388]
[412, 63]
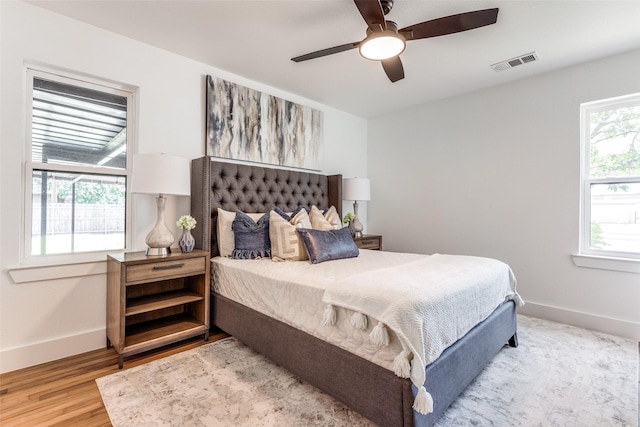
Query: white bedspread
[293, 292]
[429, 303]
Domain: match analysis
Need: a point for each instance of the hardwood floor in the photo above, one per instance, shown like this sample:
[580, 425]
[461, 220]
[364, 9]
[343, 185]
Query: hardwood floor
[64, 392]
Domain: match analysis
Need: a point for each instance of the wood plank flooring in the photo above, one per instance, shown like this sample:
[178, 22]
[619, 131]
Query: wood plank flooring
[64, 392]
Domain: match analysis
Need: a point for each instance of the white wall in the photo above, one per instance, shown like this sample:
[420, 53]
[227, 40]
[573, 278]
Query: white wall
[496, 173]
[46, 320]
[493, 173]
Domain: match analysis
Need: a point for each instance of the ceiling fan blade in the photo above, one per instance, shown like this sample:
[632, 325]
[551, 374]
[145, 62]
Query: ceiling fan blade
[371, 11]
[325, 52]
[393, 68]
[450, 24]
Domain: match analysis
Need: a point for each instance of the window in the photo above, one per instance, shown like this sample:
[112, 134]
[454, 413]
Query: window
[77, 174]
[610, 199]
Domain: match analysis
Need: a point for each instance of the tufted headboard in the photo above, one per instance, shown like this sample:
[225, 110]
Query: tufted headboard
[251, 189]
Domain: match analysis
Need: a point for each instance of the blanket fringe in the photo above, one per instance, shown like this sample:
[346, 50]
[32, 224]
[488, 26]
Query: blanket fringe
[401, 365]
[359, 321]
[518, 300]
[330, 315]
[423, 402]
[379, 335]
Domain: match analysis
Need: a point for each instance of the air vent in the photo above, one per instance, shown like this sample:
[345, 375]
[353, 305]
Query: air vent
[514, 62]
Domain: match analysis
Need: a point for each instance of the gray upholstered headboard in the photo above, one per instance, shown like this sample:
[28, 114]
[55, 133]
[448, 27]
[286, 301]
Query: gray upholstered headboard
[233, 186]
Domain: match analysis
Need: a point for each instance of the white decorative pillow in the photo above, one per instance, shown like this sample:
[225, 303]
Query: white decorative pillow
[330, 220]
[286, 244]
[226, 237]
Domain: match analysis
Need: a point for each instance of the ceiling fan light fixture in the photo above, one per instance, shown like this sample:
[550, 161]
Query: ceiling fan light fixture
[382, 45]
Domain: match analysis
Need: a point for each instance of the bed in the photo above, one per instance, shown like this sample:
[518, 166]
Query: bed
[359, 382]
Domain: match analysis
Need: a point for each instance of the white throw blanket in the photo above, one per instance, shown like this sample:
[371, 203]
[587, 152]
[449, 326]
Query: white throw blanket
[429, 304]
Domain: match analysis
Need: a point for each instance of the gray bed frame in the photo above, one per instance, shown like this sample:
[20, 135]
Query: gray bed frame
[373, 391]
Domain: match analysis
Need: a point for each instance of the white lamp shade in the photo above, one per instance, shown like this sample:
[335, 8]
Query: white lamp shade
[356, 189]
[161, 174]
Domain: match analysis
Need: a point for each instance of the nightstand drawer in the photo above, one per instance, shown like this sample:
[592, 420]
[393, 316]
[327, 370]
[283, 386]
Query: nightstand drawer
[369, 242]
[165, 269]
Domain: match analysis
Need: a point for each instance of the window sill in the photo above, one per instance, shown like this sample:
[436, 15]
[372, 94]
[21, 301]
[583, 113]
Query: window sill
[52, 269]
[606, 263]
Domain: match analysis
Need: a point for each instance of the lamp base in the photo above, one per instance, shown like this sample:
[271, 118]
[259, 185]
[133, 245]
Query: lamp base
[160, 238]
[158, 251]
[355, 222]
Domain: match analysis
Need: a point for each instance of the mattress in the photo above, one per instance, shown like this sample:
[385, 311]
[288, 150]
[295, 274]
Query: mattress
[292, 292]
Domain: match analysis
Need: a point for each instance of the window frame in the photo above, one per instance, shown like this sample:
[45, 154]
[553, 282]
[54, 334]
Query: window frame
[127, 91]
[586, 109]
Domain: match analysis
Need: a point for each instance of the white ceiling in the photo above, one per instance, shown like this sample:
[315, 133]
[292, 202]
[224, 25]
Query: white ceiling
[256, 39]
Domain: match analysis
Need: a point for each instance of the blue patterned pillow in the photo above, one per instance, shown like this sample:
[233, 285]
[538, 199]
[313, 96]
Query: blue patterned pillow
[251, 237]
[328, 245]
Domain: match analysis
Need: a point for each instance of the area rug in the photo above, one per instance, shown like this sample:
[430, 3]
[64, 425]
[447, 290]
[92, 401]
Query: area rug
[558, 376]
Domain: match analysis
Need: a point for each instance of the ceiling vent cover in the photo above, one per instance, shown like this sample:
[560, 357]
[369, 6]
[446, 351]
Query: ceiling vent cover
[514, 62]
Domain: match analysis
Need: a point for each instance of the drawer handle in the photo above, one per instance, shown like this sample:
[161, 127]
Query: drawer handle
[167, 267]
[367, 242]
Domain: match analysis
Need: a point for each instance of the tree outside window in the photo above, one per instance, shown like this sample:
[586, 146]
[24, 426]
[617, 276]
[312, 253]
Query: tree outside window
[611, 177]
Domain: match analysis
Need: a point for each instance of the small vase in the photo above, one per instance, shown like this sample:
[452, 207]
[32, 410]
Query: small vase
[186, 242]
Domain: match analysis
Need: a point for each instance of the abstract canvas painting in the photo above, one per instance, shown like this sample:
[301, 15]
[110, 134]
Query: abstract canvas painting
[246, 124]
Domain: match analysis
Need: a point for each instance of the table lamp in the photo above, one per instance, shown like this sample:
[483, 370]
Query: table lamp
[160, 174]
[356, 189]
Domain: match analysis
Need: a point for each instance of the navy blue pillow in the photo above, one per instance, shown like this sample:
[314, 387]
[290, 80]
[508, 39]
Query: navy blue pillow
[251, 238]
[288, 217]
[328, 245]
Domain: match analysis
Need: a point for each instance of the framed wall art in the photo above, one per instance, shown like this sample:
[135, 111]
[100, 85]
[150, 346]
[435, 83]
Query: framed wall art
[246, 124]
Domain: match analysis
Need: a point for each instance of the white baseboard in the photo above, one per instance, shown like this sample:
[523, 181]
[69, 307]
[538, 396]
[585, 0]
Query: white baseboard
[594, 322]
[42, 352]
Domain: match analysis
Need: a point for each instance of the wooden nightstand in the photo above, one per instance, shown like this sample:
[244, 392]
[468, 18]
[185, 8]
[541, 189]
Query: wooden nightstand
[153, 301]
[369, 242]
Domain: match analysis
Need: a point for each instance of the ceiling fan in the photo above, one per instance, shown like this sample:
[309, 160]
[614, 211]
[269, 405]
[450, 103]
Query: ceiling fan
[385, 42]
